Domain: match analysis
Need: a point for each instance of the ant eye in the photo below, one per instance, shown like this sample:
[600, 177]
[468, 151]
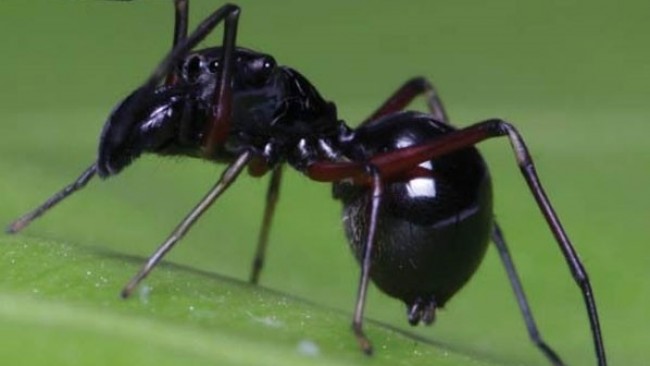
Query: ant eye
[214, 66]
[269, 64]
[192, 68]
[260, 70]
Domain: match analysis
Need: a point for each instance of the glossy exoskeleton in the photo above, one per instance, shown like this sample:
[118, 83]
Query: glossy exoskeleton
[416, 194]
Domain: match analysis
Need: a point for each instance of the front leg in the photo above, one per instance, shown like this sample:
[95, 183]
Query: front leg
[216, 131]
[220, 121]
[181, 10]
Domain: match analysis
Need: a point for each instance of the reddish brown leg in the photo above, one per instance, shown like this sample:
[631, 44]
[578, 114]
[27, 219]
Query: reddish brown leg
[228, 13]
[217, 130]
[403, 96]
[392, 163]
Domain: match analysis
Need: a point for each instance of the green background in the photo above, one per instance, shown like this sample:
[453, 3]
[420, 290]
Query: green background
[573, 76]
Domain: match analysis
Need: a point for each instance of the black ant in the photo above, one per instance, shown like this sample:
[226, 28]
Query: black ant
[417, 195]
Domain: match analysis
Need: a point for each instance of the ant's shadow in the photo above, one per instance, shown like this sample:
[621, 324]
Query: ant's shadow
[492, 358]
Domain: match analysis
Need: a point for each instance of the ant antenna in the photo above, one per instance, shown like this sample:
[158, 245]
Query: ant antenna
[79, 183]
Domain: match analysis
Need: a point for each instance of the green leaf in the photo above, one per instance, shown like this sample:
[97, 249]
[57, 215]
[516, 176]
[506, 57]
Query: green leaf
[572, 76]
[61, 303]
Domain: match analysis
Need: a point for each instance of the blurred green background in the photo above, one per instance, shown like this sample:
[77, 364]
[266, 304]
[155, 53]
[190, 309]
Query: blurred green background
[574, 77]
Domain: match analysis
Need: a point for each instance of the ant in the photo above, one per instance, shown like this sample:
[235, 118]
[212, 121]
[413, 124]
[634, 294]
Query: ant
[416, 194]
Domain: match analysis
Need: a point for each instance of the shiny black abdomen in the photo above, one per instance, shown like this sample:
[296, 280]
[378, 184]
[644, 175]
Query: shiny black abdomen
[433, 229]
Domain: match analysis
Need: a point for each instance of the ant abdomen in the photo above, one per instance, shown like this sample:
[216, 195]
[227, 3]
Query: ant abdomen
[434, 224]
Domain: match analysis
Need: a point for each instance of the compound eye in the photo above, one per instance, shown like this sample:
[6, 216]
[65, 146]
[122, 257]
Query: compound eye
[261, 69]
[268, 64]
[214, 66]
[192, 68]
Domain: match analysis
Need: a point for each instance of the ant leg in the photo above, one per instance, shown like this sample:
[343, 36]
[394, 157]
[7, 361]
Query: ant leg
[571, 256]
[357, 321]
[228, 13]
[405, 95]
[181, 9]
[78, 184]
[533, 331]
[180, 33]
[227, 177]
[578, 271]
[272, 196]
[216, 131]
[392, 163]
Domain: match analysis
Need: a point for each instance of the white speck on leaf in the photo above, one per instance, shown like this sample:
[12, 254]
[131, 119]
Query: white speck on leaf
[102, 281]
[283, 302]
[143, 293]
[308, 348]
[270, 321]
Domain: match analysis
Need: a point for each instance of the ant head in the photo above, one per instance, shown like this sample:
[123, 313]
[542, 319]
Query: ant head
[171, 119]
[145, 121]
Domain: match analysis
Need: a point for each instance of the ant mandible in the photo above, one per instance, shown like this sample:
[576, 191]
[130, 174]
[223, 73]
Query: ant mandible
[417, 195]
